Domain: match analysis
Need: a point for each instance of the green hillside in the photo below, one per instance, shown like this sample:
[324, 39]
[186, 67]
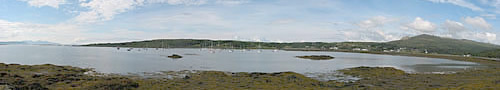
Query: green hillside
[444, 45]
[201, 43]
[416, 44]
[490, 53]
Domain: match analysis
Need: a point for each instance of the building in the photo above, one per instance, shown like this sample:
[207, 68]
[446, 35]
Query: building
[334, 48]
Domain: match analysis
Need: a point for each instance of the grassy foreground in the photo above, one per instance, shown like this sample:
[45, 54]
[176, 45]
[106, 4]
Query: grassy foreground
[40, 77]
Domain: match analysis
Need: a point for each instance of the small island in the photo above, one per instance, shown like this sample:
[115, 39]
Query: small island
[316, 57]
[175, 56]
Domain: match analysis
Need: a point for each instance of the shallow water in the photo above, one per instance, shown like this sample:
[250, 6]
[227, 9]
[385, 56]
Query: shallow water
[111, 60]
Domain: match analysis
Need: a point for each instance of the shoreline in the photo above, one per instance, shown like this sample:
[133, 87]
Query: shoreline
[440, 56]
[48, 76]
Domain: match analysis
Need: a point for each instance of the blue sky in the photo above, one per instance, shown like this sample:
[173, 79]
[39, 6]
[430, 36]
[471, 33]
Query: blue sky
[97, 21]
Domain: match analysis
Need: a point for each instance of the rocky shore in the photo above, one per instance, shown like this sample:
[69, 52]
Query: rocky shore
[43, 77]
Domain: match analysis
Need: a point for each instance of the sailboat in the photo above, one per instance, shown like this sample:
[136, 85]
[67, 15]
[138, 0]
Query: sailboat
[259, 47]
[232, 47]
[211, 50]
[242, 49]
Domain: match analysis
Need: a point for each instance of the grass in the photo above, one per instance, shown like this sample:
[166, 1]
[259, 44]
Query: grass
[390, 78]
[223, 80]
[43, 77]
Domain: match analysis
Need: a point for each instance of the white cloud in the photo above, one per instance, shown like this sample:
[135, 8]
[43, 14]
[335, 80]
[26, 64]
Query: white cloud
[494, 3]
[66, 33]
[199, 2]
[491, 36]
[365, 35]
[371, 30]
[283, 21]
[119, 35]
[387, 37]
[420, 25]
[178, 20]
[376, 21]
[482, 36]
[180, 2]
[8, 29]
[41, 3]
[103, 10]
[359, 35]
[489, 16]
[231, 2]
[453, 28]
[478, 22]
[18, 31]
[461, 3]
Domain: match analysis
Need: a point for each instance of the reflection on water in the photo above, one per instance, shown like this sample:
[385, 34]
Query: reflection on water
[111, 60]
[443, 67]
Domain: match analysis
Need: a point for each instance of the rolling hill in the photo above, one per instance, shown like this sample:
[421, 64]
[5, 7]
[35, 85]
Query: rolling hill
[416, 44]
[444, 45]
[203, 43]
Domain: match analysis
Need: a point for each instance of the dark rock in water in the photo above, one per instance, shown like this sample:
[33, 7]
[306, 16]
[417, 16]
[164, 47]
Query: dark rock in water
[175, 56]
[317, 57]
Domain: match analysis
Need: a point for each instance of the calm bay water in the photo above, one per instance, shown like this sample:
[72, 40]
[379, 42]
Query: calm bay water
[111, 60]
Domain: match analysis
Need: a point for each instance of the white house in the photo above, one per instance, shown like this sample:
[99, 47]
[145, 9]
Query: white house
[335, 48]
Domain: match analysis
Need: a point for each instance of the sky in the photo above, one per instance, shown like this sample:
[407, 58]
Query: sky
[100, 21]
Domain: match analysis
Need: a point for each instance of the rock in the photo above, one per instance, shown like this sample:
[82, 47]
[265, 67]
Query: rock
[17, 76]
[36, 76]
[292, 77]
[3, 74]
[317, 57]
[187, 77]
[175, 56]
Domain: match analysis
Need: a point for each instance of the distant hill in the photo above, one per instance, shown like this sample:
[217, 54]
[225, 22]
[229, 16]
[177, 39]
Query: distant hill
[444, 45]
[416, 44]
[28, 43]
[203, 43]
